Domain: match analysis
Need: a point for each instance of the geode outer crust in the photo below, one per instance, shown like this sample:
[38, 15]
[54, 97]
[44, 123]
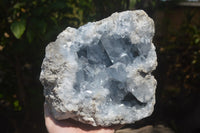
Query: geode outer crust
[100, 73]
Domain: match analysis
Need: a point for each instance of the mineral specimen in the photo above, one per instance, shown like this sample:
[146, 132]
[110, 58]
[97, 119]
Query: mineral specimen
[100, 73]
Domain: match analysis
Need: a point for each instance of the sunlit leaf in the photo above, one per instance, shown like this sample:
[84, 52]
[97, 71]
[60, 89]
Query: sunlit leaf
[16, 103]
[18, 5]
[17, 106]
[18, 28]
[194, 61]
[197, 40]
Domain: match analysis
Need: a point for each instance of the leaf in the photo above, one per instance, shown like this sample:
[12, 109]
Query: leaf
[29, 35]
[58, 5]
[197, 40]
[18, 28]
[17, 106]
[16, 103]
[42, 26]
[38, 26]
[19, 5]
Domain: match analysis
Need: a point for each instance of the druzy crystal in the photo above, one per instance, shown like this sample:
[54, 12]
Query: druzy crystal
[100, 73]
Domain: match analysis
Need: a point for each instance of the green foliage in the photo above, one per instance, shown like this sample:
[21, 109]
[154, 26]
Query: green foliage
[27, 26]
[179, 56]
[16, 105]
[186, 65]
[18, 28]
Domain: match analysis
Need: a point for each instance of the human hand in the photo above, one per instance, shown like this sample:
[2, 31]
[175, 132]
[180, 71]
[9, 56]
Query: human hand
[70, 126]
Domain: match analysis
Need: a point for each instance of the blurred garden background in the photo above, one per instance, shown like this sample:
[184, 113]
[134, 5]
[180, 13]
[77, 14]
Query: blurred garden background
[27, 26]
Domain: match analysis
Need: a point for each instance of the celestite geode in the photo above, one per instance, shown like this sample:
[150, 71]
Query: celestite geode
[100, 73]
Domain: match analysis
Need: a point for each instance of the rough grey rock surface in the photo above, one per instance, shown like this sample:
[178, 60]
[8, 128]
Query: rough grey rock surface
[100, 73]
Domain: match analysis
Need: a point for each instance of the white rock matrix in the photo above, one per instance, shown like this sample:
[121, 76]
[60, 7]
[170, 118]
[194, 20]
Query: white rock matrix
[100, 73]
